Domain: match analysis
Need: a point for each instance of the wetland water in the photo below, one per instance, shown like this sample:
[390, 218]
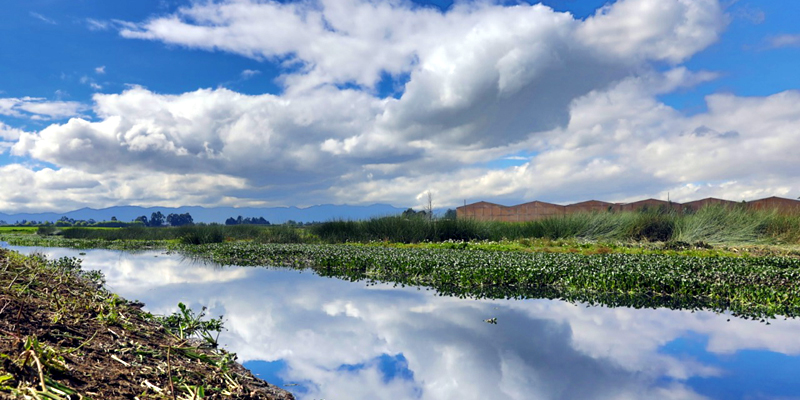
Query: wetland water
[328, 338]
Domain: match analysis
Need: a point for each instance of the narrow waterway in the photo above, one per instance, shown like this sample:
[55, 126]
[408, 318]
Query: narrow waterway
[325, 338]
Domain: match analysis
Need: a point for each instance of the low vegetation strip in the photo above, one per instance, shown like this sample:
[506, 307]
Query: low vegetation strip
[746, 286]
[63, 337]
[59, 241]
[711, 224]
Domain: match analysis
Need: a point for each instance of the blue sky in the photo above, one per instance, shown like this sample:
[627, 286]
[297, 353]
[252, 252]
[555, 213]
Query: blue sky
[298, 103]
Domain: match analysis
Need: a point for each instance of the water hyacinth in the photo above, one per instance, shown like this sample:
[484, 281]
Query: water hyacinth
[746, 286]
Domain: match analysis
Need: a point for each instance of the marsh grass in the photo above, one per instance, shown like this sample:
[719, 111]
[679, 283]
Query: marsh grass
[712, 224]
[191, 234]
[129, 233]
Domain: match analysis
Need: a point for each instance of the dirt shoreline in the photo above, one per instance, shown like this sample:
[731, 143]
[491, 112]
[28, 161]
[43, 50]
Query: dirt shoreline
[62, 336]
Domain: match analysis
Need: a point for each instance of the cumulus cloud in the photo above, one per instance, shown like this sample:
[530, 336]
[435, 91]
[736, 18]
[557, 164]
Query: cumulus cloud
[653, 29]
[622, 144]
[8, 137]
[480, 82]
[8, 133]
[33, 188]
[479, 74]
[265, 138]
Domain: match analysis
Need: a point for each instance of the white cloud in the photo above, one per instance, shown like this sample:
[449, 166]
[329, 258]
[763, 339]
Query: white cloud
[31, 189]
[471, 39]
[622, 144]
[8, 133]
[97, 25]
[100, 70]
[482, 82]
[653, 29]
[39, 108]
[249, 73]
[785, 40]
[8, 136]
[215, 131]
[42, 18]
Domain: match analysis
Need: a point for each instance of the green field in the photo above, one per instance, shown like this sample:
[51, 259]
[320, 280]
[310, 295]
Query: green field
[18, 229]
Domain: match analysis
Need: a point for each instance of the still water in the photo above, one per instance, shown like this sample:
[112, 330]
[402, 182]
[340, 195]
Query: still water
[324, 338]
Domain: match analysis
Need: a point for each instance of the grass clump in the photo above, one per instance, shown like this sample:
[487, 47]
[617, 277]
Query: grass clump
[200, 234]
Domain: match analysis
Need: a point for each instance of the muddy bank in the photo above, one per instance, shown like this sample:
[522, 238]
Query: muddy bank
[62, 336]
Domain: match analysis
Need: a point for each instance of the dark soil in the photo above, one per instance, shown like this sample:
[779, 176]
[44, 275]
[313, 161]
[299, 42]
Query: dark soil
[62, 336]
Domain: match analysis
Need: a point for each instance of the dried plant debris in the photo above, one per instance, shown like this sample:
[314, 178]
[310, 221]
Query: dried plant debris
[62, 336]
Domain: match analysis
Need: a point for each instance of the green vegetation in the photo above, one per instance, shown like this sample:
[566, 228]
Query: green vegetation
[712, 224]
[18, 229]
[64, 338]
[59, 241]
[651, 257]
[194, 234]
[747, 286]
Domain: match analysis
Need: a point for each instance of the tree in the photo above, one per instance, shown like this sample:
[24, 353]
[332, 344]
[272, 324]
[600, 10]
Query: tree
[450, 214]
[114, 219]
[143, 220]
[65, 221]
[180, 219]
[231, 221]
[157, 219]
[409, 213]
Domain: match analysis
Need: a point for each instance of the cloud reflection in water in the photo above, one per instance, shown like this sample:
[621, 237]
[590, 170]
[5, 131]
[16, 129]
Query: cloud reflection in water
[341, 340]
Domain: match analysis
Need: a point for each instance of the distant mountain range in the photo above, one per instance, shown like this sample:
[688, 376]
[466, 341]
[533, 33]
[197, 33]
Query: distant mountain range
[275, 215]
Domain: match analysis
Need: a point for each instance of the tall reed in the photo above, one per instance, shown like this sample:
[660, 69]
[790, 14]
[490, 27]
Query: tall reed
[713, 224]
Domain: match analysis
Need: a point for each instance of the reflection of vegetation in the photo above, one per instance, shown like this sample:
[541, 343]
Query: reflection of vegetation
[748, 286]
[62, 337]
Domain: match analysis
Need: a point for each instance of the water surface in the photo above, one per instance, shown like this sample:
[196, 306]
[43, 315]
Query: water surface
[327, 338]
